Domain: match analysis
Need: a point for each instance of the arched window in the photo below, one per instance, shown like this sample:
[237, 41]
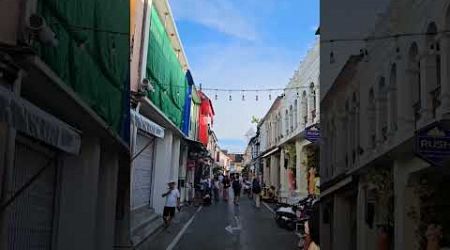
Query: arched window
[286, 122]
[414, 79]
[434, 63]
[383, 108]
[291, 118]
[372, 119]
[313, 102]
[304, 108]
[280, 127]
[295, 113]
[393, 97]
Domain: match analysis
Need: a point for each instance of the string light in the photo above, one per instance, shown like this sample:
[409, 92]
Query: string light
[385, 37]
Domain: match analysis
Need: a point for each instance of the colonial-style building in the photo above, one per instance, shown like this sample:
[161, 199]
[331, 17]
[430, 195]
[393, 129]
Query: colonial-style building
[287, 136]
[379, 182]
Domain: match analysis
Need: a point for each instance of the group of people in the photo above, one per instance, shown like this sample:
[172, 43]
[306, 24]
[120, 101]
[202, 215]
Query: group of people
[221, 184]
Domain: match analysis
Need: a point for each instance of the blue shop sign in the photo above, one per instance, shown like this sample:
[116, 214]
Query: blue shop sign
[312, 133]
[433, 143]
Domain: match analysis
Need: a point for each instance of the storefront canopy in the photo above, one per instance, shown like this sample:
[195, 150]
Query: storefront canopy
[146, 125]
[271, 152]
[34, 122]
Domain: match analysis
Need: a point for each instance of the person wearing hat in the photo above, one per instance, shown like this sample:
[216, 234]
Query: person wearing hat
[172, 202]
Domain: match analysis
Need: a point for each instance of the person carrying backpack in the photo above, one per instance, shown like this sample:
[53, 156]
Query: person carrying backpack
[236, 189]
[256, 189]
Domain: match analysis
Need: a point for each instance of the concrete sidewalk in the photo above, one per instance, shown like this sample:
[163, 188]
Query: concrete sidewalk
[161, 239]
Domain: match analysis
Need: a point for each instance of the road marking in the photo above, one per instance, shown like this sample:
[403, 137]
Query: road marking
[178, 237]
[268, 207]
[238, 227]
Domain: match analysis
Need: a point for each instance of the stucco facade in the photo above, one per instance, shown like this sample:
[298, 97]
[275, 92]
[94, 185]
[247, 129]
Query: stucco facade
[370, 118]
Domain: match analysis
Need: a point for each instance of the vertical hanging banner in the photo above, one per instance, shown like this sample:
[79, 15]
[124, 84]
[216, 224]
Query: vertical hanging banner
[433, 143]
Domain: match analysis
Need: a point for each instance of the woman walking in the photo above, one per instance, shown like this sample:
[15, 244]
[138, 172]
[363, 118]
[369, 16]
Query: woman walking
[216, 188]
[226, 185]
[256, 189]
[237, 186]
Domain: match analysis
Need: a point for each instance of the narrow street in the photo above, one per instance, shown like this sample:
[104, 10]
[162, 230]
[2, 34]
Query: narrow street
[225, 226]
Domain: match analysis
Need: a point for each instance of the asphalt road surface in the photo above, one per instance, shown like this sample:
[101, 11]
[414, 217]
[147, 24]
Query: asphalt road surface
[226, 226]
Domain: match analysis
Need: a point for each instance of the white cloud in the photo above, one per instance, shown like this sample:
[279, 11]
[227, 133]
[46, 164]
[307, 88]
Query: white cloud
[220, 15]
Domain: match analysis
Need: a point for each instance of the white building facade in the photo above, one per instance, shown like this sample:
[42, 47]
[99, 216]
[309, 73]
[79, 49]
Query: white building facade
[376, 186]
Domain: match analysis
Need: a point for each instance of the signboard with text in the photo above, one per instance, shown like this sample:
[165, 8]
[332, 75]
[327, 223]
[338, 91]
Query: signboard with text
[433, 143]
[312, 133]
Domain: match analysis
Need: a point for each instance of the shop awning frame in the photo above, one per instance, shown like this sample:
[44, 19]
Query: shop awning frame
[27, 118]
[271, 152]
[145, 124]
[342, 183]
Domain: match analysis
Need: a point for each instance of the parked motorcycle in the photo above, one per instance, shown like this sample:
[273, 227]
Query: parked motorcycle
[288, 216]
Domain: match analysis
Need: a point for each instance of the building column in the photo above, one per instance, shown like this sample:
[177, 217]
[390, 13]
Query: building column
[283, 172]
[182, 174]
[300, 168]
[272, 170]
[175, 163]
[266, 172]
[427, 73]
[360, 217]
[400, 183]
[405, 114]
[106, 204]
[444, 109]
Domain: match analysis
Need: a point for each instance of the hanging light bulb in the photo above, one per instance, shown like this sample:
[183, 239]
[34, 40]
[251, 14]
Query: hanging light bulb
[366, 55]
[270, 97]
[243, 96]
[332, 60]
[256, 98]
[229, 98]
[215, 96]
[397, 49]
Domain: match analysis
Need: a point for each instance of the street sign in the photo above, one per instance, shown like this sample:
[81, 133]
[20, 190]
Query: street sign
[433, 143]
[312, 133]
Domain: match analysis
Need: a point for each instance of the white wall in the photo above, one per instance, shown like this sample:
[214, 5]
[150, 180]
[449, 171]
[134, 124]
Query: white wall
[162, 170]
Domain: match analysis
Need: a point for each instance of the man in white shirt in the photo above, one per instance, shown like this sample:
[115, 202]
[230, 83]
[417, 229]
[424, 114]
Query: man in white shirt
[172, 202]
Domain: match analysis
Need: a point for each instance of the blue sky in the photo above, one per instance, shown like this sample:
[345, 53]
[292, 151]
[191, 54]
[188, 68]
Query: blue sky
[250, 44]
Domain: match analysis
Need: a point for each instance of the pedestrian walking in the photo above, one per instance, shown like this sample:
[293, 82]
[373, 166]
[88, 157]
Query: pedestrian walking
[256, 189]
[172, 201]
[216, 188]
[237, 185]
[226, 186]
[221, 184]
